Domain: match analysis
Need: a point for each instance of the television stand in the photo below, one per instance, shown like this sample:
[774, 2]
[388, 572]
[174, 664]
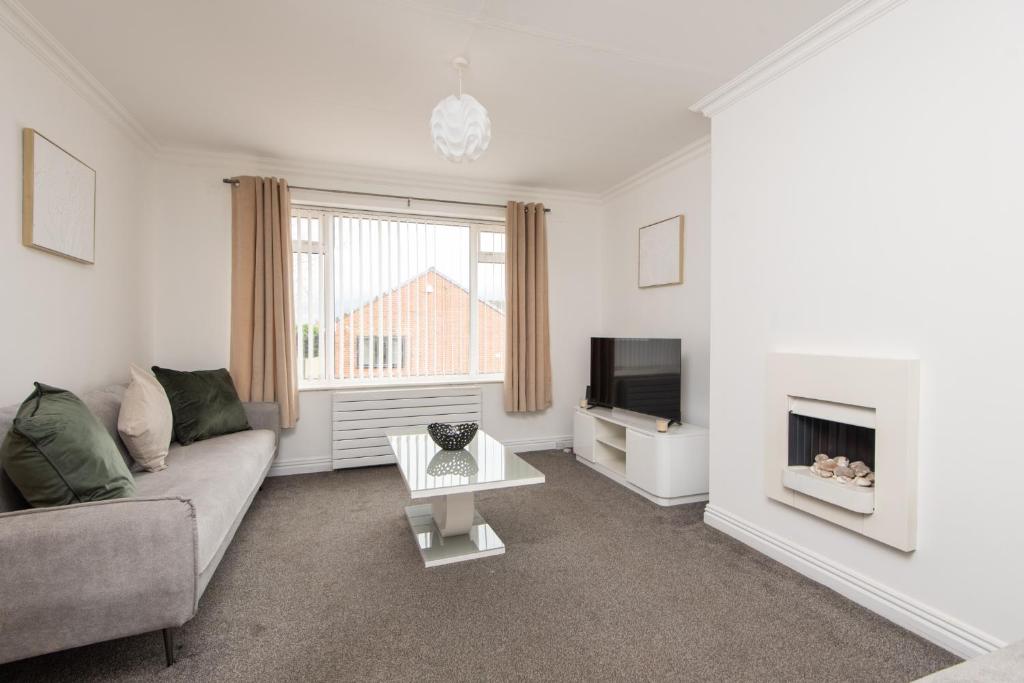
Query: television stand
[667, 468]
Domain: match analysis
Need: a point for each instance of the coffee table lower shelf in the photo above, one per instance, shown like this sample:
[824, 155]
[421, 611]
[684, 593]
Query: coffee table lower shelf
[436, 550]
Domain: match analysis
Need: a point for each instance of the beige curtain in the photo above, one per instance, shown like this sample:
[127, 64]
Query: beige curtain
[527, 348]
[262, 321]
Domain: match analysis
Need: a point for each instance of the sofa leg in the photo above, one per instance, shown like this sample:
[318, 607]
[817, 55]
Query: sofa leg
[169, 645]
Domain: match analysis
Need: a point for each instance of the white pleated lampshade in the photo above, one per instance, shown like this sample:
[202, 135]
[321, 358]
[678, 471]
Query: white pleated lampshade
[461, 128]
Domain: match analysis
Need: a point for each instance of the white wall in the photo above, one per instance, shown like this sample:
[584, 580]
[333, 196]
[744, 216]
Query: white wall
[869, 203]
[683, 186]
[193, 250]
[64, 323]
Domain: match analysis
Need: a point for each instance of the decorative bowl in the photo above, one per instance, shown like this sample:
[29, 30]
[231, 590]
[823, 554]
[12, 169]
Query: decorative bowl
[452, 437]
[460, 463]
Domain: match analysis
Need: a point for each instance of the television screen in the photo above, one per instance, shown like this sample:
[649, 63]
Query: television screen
[642, 375]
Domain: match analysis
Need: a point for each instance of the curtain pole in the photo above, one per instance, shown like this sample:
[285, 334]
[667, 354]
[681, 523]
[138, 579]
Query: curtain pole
[233, 181]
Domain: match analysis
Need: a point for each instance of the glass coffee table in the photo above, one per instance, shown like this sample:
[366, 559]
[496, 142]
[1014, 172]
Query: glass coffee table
[449, 529]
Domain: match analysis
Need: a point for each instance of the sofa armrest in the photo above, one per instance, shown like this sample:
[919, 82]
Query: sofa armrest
[264, 415]
[85, 573]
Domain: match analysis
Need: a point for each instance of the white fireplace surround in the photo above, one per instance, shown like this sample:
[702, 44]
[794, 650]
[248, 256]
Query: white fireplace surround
[879, 393]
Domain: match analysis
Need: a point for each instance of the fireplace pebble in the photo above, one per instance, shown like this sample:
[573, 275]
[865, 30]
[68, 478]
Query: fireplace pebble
[841, 470]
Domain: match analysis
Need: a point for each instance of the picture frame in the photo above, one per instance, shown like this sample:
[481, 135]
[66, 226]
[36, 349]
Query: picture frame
[661, 253]
[58, 201]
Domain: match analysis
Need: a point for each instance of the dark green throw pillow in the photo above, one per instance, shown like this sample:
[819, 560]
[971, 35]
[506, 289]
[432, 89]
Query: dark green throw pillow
[204, 403]
[57, 453]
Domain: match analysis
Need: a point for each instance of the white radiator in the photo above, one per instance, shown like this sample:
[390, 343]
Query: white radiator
[361, 417]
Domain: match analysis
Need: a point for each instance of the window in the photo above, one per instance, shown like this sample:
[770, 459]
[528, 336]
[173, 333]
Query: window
[389, 298]
[490, 278]
[381, 352]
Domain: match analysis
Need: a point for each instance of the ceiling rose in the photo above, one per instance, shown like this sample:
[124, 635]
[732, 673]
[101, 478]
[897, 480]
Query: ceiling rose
[459, 125]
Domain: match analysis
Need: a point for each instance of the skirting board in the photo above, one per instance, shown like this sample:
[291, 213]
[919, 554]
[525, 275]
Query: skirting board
[542, 443]
[937, 627]
[303, 466]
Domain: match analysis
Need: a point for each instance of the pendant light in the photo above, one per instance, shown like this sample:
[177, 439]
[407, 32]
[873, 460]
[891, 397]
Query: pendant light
[459, 125]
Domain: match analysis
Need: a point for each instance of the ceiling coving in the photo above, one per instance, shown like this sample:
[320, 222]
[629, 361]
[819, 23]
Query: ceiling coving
[460, 125]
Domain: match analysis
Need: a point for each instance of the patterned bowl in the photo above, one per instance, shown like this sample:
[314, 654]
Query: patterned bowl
[452, 437]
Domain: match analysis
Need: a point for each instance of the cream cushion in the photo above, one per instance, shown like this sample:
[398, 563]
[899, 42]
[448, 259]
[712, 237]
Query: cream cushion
[145, 421]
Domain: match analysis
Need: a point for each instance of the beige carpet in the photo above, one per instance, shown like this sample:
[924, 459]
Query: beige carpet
[323, 582]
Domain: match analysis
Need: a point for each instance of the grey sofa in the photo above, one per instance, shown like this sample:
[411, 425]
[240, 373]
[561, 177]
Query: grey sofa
[81, 574]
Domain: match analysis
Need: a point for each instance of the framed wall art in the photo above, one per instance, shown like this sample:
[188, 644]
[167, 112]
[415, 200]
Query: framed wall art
[660, 259]
[59, 200]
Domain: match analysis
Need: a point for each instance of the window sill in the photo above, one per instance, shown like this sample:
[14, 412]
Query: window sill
[402, 383]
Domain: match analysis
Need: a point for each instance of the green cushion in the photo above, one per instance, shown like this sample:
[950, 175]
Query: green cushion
[58, 453]
[204, 403]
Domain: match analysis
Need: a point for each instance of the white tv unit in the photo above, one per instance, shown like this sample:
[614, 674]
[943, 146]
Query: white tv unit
[668, 468]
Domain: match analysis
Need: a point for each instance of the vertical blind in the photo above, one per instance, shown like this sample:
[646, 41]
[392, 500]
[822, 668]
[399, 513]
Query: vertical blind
[388, 297]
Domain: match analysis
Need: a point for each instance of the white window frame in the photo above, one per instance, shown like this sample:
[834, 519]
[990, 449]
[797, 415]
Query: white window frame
[325, 247]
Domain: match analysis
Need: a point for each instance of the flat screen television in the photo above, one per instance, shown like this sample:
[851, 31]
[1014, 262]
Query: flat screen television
[642, 375]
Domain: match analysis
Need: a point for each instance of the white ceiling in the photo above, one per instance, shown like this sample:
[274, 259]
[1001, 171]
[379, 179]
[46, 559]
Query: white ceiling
[581, 93]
